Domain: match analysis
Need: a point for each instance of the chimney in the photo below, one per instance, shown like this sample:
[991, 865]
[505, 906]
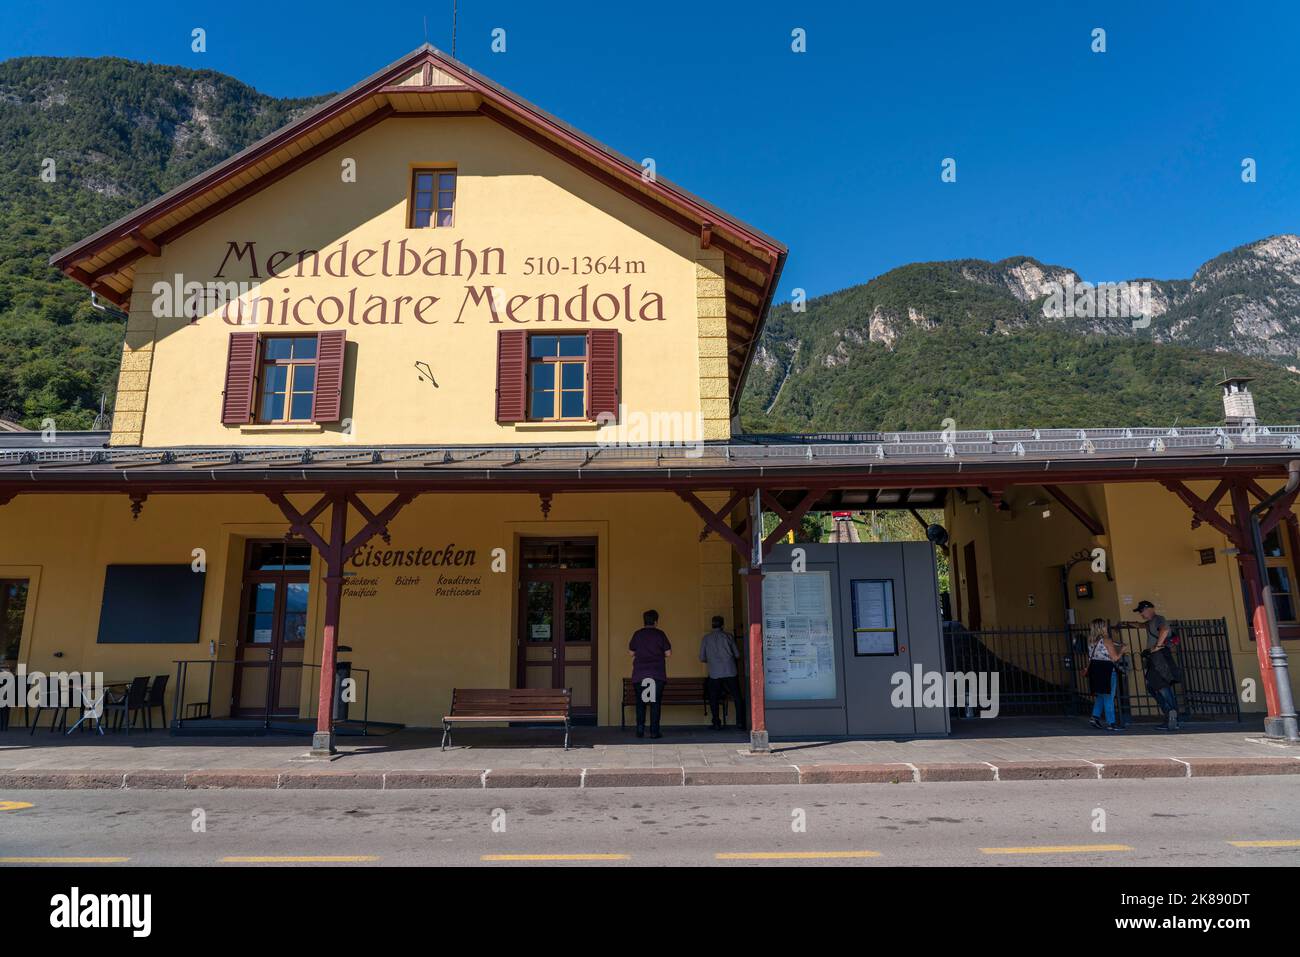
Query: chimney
[1238, 403]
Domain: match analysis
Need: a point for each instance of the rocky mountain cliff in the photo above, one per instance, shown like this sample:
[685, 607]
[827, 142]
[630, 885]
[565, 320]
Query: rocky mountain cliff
[1022, 343]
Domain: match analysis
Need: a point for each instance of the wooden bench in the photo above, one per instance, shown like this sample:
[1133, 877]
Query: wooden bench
[692, 691]
[494, 705]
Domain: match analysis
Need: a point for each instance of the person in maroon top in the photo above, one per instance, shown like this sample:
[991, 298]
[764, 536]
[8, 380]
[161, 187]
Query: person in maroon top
[650, 650]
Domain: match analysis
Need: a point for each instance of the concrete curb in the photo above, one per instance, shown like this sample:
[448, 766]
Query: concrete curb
[1072, 769]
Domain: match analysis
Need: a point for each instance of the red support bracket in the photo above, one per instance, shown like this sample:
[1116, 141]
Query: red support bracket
[791, 518]
[717, 521]
[1205, 511]
[375, 524]
[299, 523]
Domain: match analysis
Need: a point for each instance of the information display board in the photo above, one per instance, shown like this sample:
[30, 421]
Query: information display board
[874, 631]
[798, 636]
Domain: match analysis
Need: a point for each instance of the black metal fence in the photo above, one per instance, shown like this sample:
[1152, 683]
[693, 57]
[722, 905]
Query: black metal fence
[1044, 671]
[215, 694]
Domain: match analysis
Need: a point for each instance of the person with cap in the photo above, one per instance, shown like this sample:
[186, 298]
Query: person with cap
[1158, 662]
[718, 651]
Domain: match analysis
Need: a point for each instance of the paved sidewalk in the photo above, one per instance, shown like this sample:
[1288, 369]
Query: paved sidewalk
[1003, 750]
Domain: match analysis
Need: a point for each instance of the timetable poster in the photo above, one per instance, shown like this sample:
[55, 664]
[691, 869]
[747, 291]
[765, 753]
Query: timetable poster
[798, 638]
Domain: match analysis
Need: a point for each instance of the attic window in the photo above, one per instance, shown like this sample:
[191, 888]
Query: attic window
[433, 197]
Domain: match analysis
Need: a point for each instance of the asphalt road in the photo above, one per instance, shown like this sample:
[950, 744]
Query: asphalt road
[1176, 822]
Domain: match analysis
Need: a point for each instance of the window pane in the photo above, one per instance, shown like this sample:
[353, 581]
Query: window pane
[298, 556]
[573, 405]
[304, 347]
[541, 610]
[573, 375]
[272, 406]
[1280, 579]
[424, 182]
[1284, 607]
[578, 554]
[542, 406]
[278, 347]
[13, 600]
[424, 200]
[573, 345]
[543, 375]
[542, 346]
[304, 378]
[1273, 543]
[541, 554]
[446, 180]
[275, 378]
[266, 555]
[422, 218]
[301, 406]
[446, 200]
[444, 219]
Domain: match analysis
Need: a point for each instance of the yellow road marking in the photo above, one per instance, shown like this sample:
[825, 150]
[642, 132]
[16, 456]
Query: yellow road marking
[793, 855]
[301, 859]
[1265, 843]
[13, 805]
[1057, 849]
[555, 857]
[64, 860]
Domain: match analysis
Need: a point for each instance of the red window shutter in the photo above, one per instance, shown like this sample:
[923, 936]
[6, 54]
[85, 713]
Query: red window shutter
[602, 373]
[327, 403]
[512, 375]
[241, 376]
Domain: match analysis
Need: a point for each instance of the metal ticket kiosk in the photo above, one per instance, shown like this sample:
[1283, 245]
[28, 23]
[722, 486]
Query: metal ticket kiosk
[837, 633]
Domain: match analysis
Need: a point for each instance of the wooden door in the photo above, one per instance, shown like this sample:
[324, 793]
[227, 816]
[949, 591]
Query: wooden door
[557, 640]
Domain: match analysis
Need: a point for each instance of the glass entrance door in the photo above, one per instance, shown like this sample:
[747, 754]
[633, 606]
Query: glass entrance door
[557, 616]
[273, 629]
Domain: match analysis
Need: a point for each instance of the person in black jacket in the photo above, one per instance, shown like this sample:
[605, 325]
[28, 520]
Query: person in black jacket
[1158, 663]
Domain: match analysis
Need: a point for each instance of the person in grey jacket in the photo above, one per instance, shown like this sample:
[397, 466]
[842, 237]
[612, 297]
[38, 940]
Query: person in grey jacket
[718, 650]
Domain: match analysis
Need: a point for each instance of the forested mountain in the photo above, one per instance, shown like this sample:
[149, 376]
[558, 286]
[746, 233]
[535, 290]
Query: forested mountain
[119, 134]
[994, 345]
[967, 339]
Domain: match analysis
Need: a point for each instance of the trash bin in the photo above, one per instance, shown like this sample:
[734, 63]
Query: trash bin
[342, 671]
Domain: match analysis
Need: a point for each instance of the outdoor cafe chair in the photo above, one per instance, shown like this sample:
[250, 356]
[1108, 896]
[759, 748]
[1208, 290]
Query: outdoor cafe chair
[157, 691]
[127, 707]
[59, 709]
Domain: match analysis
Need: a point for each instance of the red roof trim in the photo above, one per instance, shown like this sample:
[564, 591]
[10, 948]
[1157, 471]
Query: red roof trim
[373, 85]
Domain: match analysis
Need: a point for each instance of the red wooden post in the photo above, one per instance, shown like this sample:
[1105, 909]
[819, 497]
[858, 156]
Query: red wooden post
[757, 691]
[322, 741]
[1256, 614]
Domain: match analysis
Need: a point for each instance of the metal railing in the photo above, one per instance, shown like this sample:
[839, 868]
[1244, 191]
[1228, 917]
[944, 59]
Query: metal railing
[1044, 671]
[216, 691]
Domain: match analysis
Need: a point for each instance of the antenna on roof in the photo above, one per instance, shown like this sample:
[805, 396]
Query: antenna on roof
[426, 29]
[453, 28]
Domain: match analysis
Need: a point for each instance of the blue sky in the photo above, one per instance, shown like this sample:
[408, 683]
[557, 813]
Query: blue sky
[1123, 164]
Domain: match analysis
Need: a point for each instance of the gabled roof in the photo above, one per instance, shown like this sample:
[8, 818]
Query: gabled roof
[429, 83]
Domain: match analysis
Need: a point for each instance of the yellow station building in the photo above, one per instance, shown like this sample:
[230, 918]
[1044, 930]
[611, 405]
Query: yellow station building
[433, 376]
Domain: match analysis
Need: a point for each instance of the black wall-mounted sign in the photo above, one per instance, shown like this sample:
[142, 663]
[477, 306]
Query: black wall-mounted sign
[151, 605]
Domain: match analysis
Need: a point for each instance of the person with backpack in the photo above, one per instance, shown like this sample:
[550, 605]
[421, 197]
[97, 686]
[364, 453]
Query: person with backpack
[1159, 666]
[1102, 656]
